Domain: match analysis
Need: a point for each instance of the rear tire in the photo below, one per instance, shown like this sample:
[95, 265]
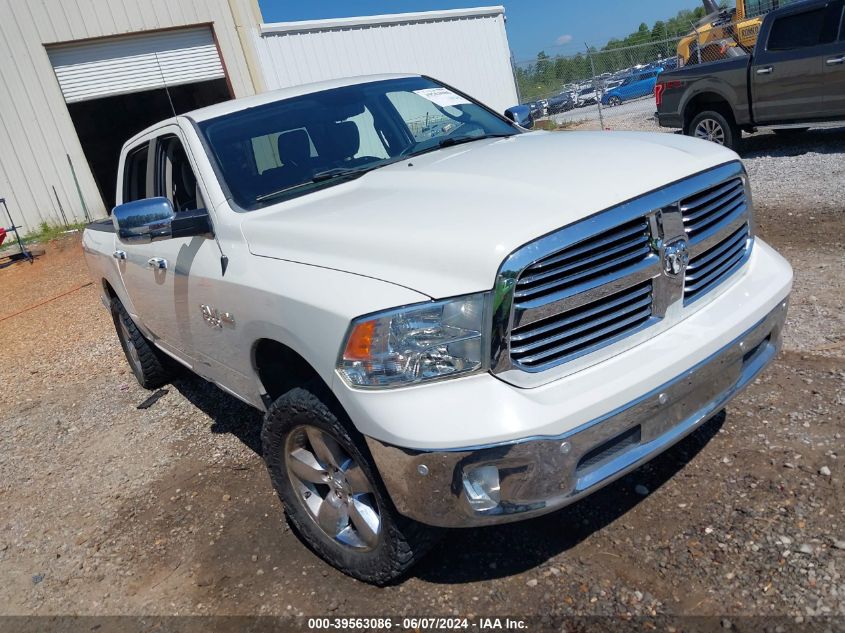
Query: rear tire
[331, 491]
[714, 126]
[151, 367]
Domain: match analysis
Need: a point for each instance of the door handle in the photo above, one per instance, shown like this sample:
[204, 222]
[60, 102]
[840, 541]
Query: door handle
[159, 263]
[768, 70]
[833, 61]
[119, 255]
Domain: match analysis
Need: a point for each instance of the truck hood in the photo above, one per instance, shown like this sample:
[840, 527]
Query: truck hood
[442, 223]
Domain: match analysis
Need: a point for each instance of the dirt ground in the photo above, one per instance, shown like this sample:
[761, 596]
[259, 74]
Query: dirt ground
[106, 509]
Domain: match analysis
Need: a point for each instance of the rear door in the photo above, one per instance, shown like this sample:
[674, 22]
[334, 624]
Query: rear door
[834, 70]
[788, 71]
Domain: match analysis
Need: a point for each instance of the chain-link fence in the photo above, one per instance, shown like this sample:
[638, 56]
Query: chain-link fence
[613, 88]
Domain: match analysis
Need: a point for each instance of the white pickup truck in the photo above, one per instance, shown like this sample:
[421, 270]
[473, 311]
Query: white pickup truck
[449, 320]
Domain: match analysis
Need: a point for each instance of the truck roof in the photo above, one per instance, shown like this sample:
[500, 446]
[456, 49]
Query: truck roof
[244, 103]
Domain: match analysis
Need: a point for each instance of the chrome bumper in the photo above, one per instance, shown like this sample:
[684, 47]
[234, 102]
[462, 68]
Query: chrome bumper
[540, 475]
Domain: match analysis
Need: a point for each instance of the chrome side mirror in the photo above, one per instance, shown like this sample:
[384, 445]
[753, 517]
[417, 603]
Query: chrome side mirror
[521, 115]
[154, 219]
[144, 221]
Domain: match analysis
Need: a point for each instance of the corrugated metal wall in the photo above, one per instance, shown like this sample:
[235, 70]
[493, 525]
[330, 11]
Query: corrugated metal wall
[466, 48]
[36, 131]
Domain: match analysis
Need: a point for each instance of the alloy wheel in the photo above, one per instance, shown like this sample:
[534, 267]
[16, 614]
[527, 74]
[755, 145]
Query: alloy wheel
[710, 130]
[332, 487]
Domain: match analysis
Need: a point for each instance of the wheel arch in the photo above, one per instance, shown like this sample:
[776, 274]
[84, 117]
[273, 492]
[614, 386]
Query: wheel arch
[280, 368]
[704, 101]
[108, 290]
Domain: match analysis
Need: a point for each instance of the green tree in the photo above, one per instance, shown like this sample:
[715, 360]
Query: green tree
[546, 76]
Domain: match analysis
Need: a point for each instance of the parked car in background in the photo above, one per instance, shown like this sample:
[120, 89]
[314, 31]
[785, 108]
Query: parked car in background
[561, 103]
[539, 108]
[635, 86]
[586, 96]
[521, 115]
[795, 77]
[469, 329]
[670, 63]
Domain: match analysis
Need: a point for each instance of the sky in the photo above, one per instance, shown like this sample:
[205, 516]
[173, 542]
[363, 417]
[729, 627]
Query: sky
[556, 26]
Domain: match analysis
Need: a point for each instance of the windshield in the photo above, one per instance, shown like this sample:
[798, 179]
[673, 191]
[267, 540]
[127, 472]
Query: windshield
[291, 147]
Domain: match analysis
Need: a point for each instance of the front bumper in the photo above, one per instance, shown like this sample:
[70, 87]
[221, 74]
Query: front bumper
[538, 476]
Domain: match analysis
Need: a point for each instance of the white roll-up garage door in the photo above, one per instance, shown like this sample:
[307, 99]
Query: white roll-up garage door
[134, 63]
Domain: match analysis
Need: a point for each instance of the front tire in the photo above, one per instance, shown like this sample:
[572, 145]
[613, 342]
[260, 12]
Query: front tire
[152, 368]
[714, 126]
[331, 492]
[614, 101]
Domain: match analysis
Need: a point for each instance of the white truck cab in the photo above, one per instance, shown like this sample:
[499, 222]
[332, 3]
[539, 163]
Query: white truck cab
[450, 321]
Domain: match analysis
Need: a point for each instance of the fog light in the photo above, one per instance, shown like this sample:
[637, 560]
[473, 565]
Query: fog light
[481, 487]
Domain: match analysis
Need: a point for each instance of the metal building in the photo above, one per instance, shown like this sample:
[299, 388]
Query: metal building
[466, 48]
[79, 77]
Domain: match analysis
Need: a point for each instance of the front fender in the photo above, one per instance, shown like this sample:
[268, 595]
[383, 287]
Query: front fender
[306, 308]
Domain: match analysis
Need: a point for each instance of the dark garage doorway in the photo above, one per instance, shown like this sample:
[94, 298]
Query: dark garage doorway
[104, 125]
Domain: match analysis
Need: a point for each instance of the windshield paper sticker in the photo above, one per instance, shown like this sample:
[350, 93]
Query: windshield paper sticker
[443, 97]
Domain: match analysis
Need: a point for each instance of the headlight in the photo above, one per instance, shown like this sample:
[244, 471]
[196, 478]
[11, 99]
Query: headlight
[415, 344]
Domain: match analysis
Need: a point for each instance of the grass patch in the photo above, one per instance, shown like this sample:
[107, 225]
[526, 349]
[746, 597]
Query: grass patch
[550, 125]
[47, 232]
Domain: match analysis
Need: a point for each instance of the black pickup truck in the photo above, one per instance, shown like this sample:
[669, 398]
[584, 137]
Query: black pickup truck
[793, 79]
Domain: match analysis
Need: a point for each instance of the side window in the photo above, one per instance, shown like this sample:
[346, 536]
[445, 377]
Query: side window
[830, 30]
[135, 174]
[801, 30]
[175, 179]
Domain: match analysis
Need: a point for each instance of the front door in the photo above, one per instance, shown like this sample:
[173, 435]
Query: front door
[167, 281]
[788, 72]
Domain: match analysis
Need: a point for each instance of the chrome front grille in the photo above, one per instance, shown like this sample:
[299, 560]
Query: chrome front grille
[716, 224]
[601, 285]
[624, 246]
[713, 266]
[577, 331]
[707, 210]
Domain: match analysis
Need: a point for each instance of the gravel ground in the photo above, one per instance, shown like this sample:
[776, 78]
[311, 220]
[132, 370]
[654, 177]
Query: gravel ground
[106, 509]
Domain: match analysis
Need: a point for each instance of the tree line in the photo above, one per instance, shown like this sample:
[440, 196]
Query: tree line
[546, 75]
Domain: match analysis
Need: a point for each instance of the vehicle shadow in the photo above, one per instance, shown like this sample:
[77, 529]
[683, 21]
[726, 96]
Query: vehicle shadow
[486, 553]
[819, 141]
[228, 414]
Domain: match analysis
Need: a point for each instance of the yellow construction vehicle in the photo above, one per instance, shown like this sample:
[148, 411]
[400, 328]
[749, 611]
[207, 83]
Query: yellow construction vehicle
[726, 32]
